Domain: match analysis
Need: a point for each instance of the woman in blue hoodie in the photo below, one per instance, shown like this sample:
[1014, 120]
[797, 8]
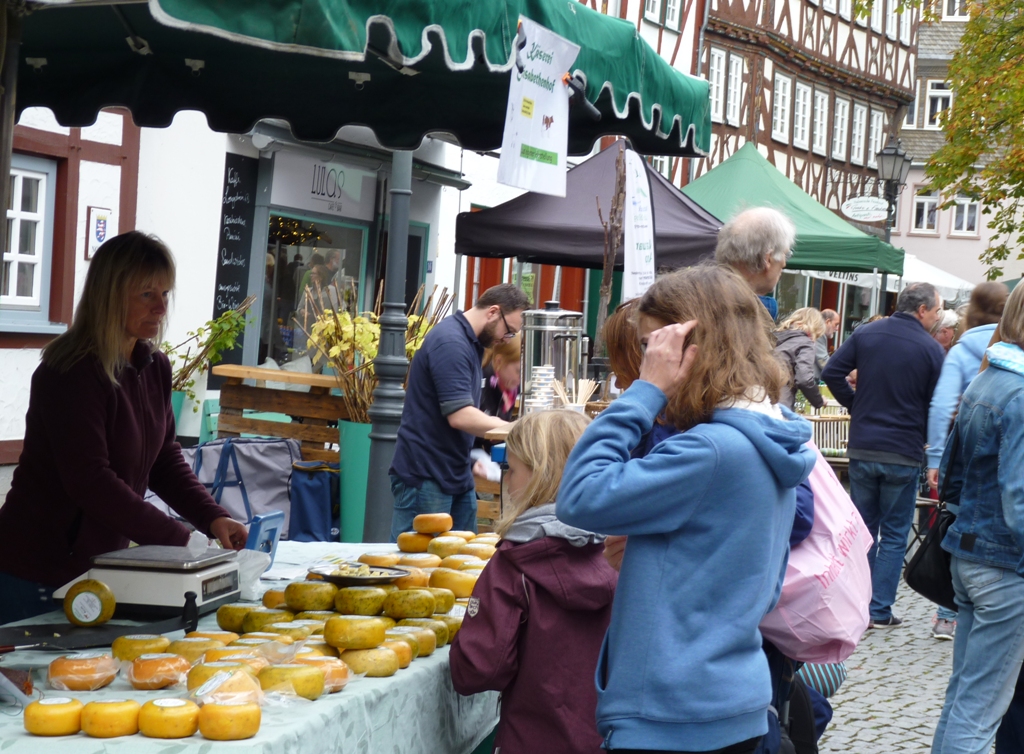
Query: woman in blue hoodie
[708, 513]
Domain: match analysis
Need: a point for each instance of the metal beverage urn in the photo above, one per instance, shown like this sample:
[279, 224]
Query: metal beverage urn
[552, 337]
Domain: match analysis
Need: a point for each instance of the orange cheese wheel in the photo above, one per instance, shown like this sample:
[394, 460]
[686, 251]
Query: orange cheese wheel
[383, 559]
[53, 716]
[237, 654]
[402, 649]
[415, 578]
[409, 541]
[193, 649]
[127, 648]
[224, 637]
[111, 718]
[158, 671]
[420, 559]
[407, 638]
[481, 550]
[273, 598]
[82, 671]
[455, 562]
[229, 721]
[319, 645]
[461, 583]
[232, 685]
[426, 639]
[336, 673]
[432, 523]
[169, 718]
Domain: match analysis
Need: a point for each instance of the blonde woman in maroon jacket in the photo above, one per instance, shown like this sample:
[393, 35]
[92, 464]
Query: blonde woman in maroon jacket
[534, 625]
[99, 431]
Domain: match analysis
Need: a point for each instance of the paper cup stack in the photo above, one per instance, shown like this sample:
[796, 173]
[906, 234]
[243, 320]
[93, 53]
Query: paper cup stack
[542, 392]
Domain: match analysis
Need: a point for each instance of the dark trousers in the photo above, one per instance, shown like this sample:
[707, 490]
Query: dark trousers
[24, 599]
[1010, 736]
[743, 747]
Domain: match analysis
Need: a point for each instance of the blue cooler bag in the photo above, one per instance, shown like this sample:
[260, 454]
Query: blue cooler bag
[316, 501]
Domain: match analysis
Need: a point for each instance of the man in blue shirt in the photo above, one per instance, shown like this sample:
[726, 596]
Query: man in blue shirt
[757, 243]
[898, 363]
[431, 471]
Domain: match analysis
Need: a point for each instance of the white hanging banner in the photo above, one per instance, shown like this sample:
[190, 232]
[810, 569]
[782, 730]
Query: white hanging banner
[535, 142]
[638, 224]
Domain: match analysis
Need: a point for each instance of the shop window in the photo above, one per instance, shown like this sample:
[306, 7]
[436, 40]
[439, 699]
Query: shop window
[926, 211]
[820, 135]
[965, 216]
[801, 116]
[734, 96]
[716, 83]
[780, 108]
[839, 129]
[860, 118]
[875, 137]
[940, 97]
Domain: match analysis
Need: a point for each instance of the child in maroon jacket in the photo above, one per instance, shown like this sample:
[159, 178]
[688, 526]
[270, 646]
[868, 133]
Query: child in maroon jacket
[537, 617]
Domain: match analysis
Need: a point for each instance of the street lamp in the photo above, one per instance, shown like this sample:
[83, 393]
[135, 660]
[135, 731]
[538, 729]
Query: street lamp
[893, 168]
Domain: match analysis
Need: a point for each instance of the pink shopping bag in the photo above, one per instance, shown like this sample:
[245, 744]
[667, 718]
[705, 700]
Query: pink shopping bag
[823, 610]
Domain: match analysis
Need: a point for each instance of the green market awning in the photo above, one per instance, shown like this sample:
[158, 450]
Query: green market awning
[824, 241]
[405, 68]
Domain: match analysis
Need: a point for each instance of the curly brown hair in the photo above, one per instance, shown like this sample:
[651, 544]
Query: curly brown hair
[735, 358]
[623, 343]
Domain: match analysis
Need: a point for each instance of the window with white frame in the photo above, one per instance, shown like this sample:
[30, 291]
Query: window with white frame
[877, 8]
[672, 14]
[652, 10]
[939, 99]
[857, 134]
[875, 135]
[716, 82]
[734, 95]
[965, 216]
[926, 211]
[846, 8]
[910, 117]
[955, 10]
[780, 107]
[820, 137]
[828, 5]
[802, 116]
[891, 19]
[663, 165]
[840, 129]
[905, 19]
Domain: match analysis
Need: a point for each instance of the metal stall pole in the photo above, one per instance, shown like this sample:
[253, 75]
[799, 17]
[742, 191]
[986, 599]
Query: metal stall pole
[391, 365]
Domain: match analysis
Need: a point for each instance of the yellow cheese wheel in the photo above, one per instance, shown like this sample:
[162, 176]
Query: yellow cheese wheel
[440, 628]
[354, 632]
[320, 615]
[110, 718]
[319, 645]
[466, 535]
[444, 599]
[158, 671]
[482, 550]
[416, 577]
[230, 686]
[204, 671]
[249, 645]
[445, 546]
[309, 595]
[229, 721]
[454, 623]
[455, 562]
[389, 623]
[379, 662]
[54, 716]
[360, 600]
[476, 567]
[127, 648]
[82, 671]
[259, 617]
[273, 598]
[237, 654]
[432, 523]
[300, 679]
[388, 587]
[384, 559]
[269, 636]
[230, 617]
[316, 627]
[169, 718]
[426, 638]
[420, 559]
[336, 673]
[409, 603]
[488, 537]
[89, 603]
[461, 583]
[402, 650]
[290, 629]
[404, 637]
[409, 541]
[193, 649]
[224, 637]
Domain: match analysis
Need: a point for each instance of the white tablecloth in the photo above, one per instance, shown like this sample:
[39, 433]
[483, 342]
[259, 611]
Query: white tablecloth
[415, 711]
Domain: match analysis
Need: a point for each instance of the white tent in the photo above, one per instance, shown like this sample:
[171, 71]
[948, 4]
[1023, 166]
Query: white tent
[950, 287]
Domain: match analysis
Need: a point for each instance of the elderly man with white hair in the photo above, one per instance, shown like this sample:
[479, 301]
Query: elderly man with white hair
[757, 243]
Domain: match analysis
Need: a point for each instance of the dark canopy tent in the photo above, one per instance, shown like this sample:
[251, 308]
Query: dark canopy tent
[553, 230]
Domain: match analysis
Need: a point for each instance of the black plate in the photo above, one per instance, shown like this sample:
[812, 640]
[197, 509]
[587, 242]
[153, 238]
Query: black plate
[325, 572]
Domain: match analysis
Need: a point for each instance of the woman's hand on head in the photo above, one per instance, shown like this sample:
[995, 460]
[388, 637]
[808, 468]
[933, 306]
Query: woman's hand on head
[231, 534]
[668, 360]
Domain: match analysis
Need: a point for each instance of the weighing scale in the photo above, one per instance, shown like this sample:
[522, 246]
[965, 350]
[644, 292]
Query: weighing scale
[151, 581]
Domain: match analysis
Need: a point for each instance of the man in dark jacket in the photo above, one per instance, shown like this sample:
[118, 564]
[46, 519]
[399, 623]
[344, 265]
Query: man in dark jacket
[898, 364]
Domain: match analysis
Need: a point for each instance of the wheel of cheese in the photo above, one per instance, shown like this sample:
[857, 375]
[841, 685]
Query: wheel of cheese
[455, 562]
[127, 648]
[354, 632]
[336, 673]
[224, 637]
[204, 671]
[445, 546]
[193, 649]
[420, 559]
[426, 638]
[89, 603]
[319, 645]
[230, 686]
[320, 615]
[409, 603]
[316, 627]
[299, 679]
[54, 716]
[237, 654]
[360, 600]
[259, 617]
[295, 632]
[477, 567]
[466, 535]
[111, 718]
[169, 718]
[402, 649]
[404, 637]
[158, 671]
[309, 595]
[482, 550]
[487, 536]
[230, 617]
[453, 622]
[82, 671]
[416, 577]
[379, 662]
[273, 598]
[268, 636]
[444, 599]
[409, 541]
[432, 523]
[229, 721]
[439, 627]
[383, 559]
[461, 583]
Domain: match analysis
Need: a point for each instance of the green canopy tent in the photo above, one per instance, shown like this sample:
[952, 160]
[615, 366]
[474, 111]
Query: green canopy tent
[405, 68]
[824, 241]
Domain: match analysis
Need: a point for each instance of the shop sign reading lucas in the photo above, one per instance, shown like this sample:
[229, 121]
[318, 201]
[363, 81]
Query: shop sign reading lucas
[304, 181]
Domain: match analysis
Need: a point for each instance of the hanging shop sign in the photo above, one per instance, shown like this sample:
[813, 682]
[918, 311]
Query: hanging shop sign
[866, 209]
[306, 181]
[638, 225]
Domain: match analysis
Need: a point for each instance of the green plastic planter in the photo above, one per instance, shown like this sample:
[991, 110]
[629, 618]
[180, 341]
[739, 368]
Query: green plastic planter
[355, 463]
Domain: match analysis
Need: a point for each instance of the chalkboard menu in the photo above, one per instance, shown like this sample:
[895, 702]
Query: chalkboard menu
[238, 207]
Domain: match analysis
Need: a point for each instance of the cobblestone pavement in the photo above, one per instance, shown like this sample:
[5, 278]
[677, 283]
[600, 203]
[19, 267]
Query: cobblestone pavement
[897, 679]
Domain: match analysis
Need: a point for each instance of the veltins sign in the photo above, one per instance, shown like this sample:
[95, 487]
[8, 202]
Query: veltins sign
[866, 209]
[305, 181]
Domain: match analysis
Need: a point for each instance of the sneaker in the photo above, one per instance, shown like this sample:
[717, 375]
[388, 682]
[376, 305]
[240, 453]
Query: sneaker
[891, 622]
[944, 630]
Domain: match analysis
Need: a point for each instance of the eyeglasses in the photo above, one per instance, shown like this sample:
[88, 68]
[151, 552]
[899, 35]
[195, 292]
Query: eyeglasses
[509, 332]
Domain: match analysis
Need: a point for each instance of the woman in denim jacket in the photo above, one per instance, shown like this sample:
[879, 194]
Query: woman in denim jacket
[987, 545]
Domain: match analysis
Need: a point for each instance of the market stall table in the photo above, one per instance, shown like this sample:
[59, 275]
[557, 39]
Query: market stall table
[415, 711]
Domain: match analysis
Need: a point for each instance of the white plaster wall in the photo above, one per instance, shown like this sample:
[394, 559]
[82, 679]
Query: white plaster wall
[106, 130]
[15, 380]
[41, 118]
[99, 185]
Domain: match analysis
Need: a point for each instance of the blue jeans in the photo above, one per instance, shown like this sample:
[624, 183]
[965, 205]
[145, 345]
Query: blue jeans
[410, 502]
[885, 494]
[988, 652]
[24, 599]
